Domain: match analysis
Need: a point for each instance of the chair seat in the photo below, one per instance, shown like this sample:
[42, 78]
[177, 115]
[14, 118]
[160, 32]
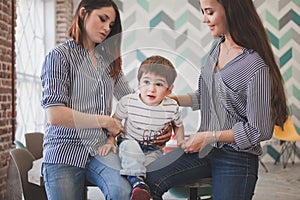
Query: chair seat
[192, 191]
[204, 182]
[288, 137]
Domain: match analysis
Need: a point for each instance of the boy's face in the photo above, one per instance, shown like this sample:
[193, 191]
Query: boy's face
[153, 89]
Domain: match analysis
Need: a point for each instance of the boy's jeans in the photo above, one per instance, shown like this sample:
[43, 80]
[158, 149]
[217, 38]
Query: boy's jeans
[134, 158]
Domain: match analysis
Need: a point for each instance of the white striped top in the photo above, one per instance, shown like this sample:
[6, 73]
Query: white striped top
[69, 78]
[142, 122]
[236, 97]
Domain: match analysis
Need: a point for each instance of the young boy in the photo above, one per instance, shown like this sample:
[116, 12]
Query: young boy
[145, 115]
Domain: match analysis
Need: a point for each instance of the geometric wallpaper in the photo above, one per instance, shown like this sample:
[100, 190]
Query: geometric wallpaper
[282, 21]
[174, 29]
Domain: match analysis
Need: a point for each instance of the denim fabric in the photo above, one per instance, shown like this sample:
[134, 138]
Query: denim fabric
[134, 157]
[63, 182]
[151, 156]
[104, 171]
[234, 174]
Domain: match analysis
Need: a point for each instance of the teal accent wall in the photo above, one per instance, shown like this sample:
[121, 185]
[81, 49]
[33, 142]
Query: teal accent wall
[174, 29]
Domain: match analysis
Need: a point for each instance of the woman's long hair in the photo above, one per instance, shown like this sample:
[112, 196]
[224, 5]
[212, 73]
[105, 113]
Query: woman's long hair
[112, 42]
[247, 30]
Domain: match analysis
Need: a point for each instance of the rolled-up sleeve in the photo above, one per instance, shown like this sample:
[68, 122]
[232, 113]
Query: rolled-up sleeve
[258, 126]
[55, 80]
[195, 100]
[122, 87]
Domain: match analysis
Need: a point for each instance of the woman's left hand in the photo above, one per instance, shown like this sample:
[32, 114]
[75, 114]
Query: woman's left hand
[106, 148]
[196, 142]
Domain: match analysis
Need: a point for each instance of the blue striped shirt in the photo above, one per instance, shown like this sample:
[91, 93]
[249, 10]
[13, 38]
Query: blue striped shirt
[236, 97]
[70, 79]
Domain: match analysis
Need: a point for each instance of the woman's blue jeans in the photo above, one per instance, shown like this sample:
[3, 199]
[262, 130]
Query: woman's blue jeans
[234, 174]
[65, 182]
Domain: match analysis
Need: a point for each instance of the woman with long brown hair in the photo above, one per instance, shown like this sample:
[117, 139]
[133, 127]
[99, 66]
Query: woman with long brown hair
[79, 79]
[241, 97]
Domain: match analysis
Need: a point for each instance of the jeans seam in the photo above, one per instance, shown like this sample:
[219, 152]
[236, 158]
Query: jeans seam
[98, 175]
[247, 177]
[177, 172]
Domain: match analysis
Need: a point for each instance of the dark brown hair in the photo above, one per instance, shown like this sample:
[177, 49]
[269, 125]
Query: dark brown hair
[113, 40]
[247, 30]
[160, 66]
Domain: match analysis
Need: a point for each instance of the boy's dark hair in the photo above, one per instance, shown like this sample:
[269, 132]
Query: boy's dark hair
[159, 66]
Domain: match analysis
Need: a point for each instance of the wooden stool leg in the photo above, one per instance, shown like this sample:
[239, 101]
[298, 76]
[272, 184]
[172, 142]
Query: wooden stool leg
[85, 193]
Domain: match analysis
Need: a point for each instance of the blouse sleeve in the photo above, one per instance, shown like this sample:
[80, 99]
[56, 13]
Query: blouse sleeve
[258, 126]
[122, 87]
[195, 100]
[55, 80]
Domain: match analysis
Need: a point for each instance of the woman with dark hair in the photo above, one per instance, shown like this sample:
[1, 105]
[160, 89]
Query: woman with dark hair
[241, 97]
[79, 79]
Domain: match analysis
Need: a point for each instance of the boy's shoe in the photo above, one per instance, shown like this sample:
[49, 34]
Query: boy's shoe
[140, 191]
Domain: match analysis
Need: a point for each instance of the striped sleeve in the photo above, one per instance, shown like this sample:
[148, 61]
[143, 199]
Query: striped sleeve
[121, 109]
[55, 80]
[259, 125]
[195, 100]
[122, 87]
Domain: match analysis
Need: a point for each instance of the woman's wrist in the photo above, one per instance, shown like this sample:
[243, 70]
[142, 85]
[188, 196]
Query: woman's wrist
[215, 140]
[102, 121]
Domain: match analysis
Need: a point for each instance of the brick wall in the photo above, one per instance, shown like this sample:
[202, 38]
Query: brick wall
[64, 16]
[7, 93]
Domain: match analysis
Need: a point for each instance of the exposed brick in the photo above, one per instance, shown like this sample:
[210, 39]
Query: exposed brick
[64, 13]
[6, 64]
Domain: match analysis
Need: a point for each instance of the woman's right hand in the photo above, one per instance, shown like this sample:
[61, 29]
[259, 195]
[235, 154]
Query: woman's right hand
[113, 125]
[196, 142]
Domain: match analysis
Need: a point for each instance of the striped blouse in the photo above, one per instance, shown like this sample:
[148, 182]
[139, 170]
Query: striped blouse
[236, 97]
[69, 79]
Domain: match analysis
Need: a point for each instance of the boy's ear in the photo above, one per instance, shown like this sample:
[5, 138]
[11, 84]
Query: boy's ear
[169, 91]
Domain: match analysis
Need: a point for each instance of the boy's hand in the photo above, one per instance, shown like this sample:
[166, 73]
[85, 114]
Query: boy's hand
[105, 149]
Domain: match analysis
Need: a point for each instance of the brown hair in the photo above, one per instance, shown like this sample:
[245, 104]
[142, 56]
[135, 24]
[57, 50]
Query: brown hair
[113, 47]
[159, 66]
[247, 30]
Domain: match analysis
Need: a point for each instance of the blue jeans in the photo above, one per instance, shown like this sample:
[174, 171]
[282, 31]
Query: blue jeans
[132, 158]
[234, 174]
[65, 182]
[104, 171]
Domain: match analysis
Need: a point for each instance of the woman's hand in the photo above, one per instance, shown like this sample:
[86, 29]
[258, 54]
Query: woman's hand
[106, 148]
[196, 142]
[164, 137]
[113, 126]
